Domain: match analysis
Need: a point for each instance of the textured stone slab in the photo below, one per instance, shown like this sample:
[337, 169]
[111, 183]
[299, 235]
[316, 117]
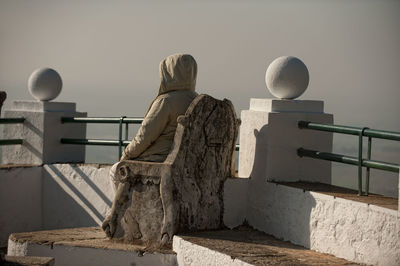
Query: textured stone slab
[245, 246]
[241, 246]
[346, 193]
[86, 246]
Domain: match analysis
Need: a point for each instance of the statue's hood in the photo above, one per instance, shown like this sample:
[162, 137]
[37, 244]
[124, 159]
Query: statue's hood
[178, 72]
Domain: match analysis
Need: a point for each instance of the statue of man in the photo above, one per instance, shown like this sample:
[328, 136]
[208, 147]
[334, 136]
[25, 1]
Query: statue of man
[154, 139]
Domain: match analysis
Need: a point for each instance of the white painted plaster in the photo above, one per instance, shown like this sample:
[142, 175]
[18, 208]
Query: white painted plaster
[41, 132]
[287, 77]
[269, 143]
[20, 200]
[192, 254]
[77, 256]
[235, 201]
[53, 196]
[347, 229]
[75, 195]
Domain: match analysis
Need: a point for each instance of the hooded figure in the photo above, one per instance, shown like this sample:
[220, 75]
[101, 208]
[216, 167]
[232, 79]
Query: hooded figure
[177, 90]
[154, 139]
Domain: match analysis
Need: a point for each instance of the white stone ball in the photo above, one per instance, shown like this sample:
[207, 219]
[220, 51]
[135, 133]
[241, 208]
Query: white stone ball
[44, 84]
[287, 77]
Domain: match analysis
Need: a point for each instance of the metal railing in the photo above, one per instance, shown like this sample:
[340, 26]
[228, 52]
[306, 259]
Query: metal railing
[103, 120]
[106, 120]
[18, 120]
[359, 161]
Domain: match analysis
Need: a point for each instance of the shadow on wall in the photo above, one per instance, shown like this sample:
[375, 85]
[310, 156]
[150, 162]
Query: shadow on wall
[72, 199]
[276, 209]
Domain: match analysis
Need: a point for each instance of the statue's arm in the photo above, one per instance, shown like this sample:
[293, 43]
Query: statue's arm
[153, 125]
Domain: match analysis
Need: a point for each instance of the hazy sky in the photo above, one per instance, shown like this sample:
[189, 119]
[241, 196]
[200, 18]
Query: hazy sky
[108, 52]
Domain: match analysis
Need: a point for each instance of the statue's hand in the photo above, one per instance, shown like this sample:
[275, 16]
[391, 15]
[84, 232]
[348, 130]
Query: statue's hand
[109, 225]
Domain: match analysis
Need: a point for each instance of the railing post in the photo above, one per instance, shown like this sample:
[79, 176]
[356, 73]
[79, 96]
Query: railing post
[360, 153]
[120, 141]
[367, 174]
[269, 138]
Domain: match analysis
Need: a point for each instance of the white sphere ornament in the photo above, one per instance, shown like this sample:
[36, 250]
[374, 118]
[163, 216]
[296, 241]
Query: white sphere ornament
[44, 84]
[287, 77]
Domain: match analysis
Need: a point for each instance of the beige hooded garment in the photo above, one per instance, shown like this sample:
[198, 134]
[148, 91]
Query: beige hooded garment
[177, 90]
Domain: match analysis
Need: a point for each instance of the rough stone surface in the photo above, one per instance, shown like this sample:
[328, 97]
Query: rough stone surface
[41, 133]
[241, 246]
[86, 246]
[185, 192]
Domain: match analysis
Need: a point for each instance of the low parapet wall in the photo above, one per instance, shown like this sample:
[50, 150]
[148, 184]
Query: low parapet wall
[348, 229]
[52, 196]
[76, 195]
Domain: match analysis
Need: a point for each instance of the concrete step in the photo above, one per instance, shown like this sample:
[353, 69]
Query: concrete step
[241, 246]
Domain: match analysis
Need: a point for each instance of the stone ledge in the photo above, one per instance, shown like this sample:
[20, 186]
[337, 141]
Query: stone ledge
[345, 193]
[245, 246]
[92, 237]
[241, 246]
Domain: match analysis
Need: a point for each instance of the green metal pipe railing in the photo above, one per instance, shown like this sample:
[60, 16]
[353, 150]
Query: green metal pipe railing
[12, 120]
[10, 141]
[106, 120]
[99, 142]
[18, 120]
[348, 160]
[366, 132]
[359, 161]
[103, 120]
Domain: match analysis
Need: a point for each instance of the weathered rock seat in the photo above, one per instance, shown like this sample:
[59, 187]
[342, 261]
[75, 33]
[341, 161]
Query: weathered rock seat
[185, 192]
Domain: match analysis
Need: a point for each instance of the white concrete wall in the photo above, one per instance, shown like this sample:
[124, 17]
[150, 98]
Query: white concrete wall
[196, 255]
[20, 200]
[53, 196]
[75, 195]
[355, 231]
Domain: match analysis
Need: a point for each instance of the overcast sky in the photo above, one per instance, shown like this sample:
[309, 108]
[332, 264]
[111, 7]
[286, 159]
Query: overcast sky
[108, 52]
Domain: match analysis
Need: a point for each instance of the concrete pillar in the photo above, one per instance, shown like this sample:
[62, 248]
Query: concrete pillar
[270, 137]
[269, 134]
[41, 133]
